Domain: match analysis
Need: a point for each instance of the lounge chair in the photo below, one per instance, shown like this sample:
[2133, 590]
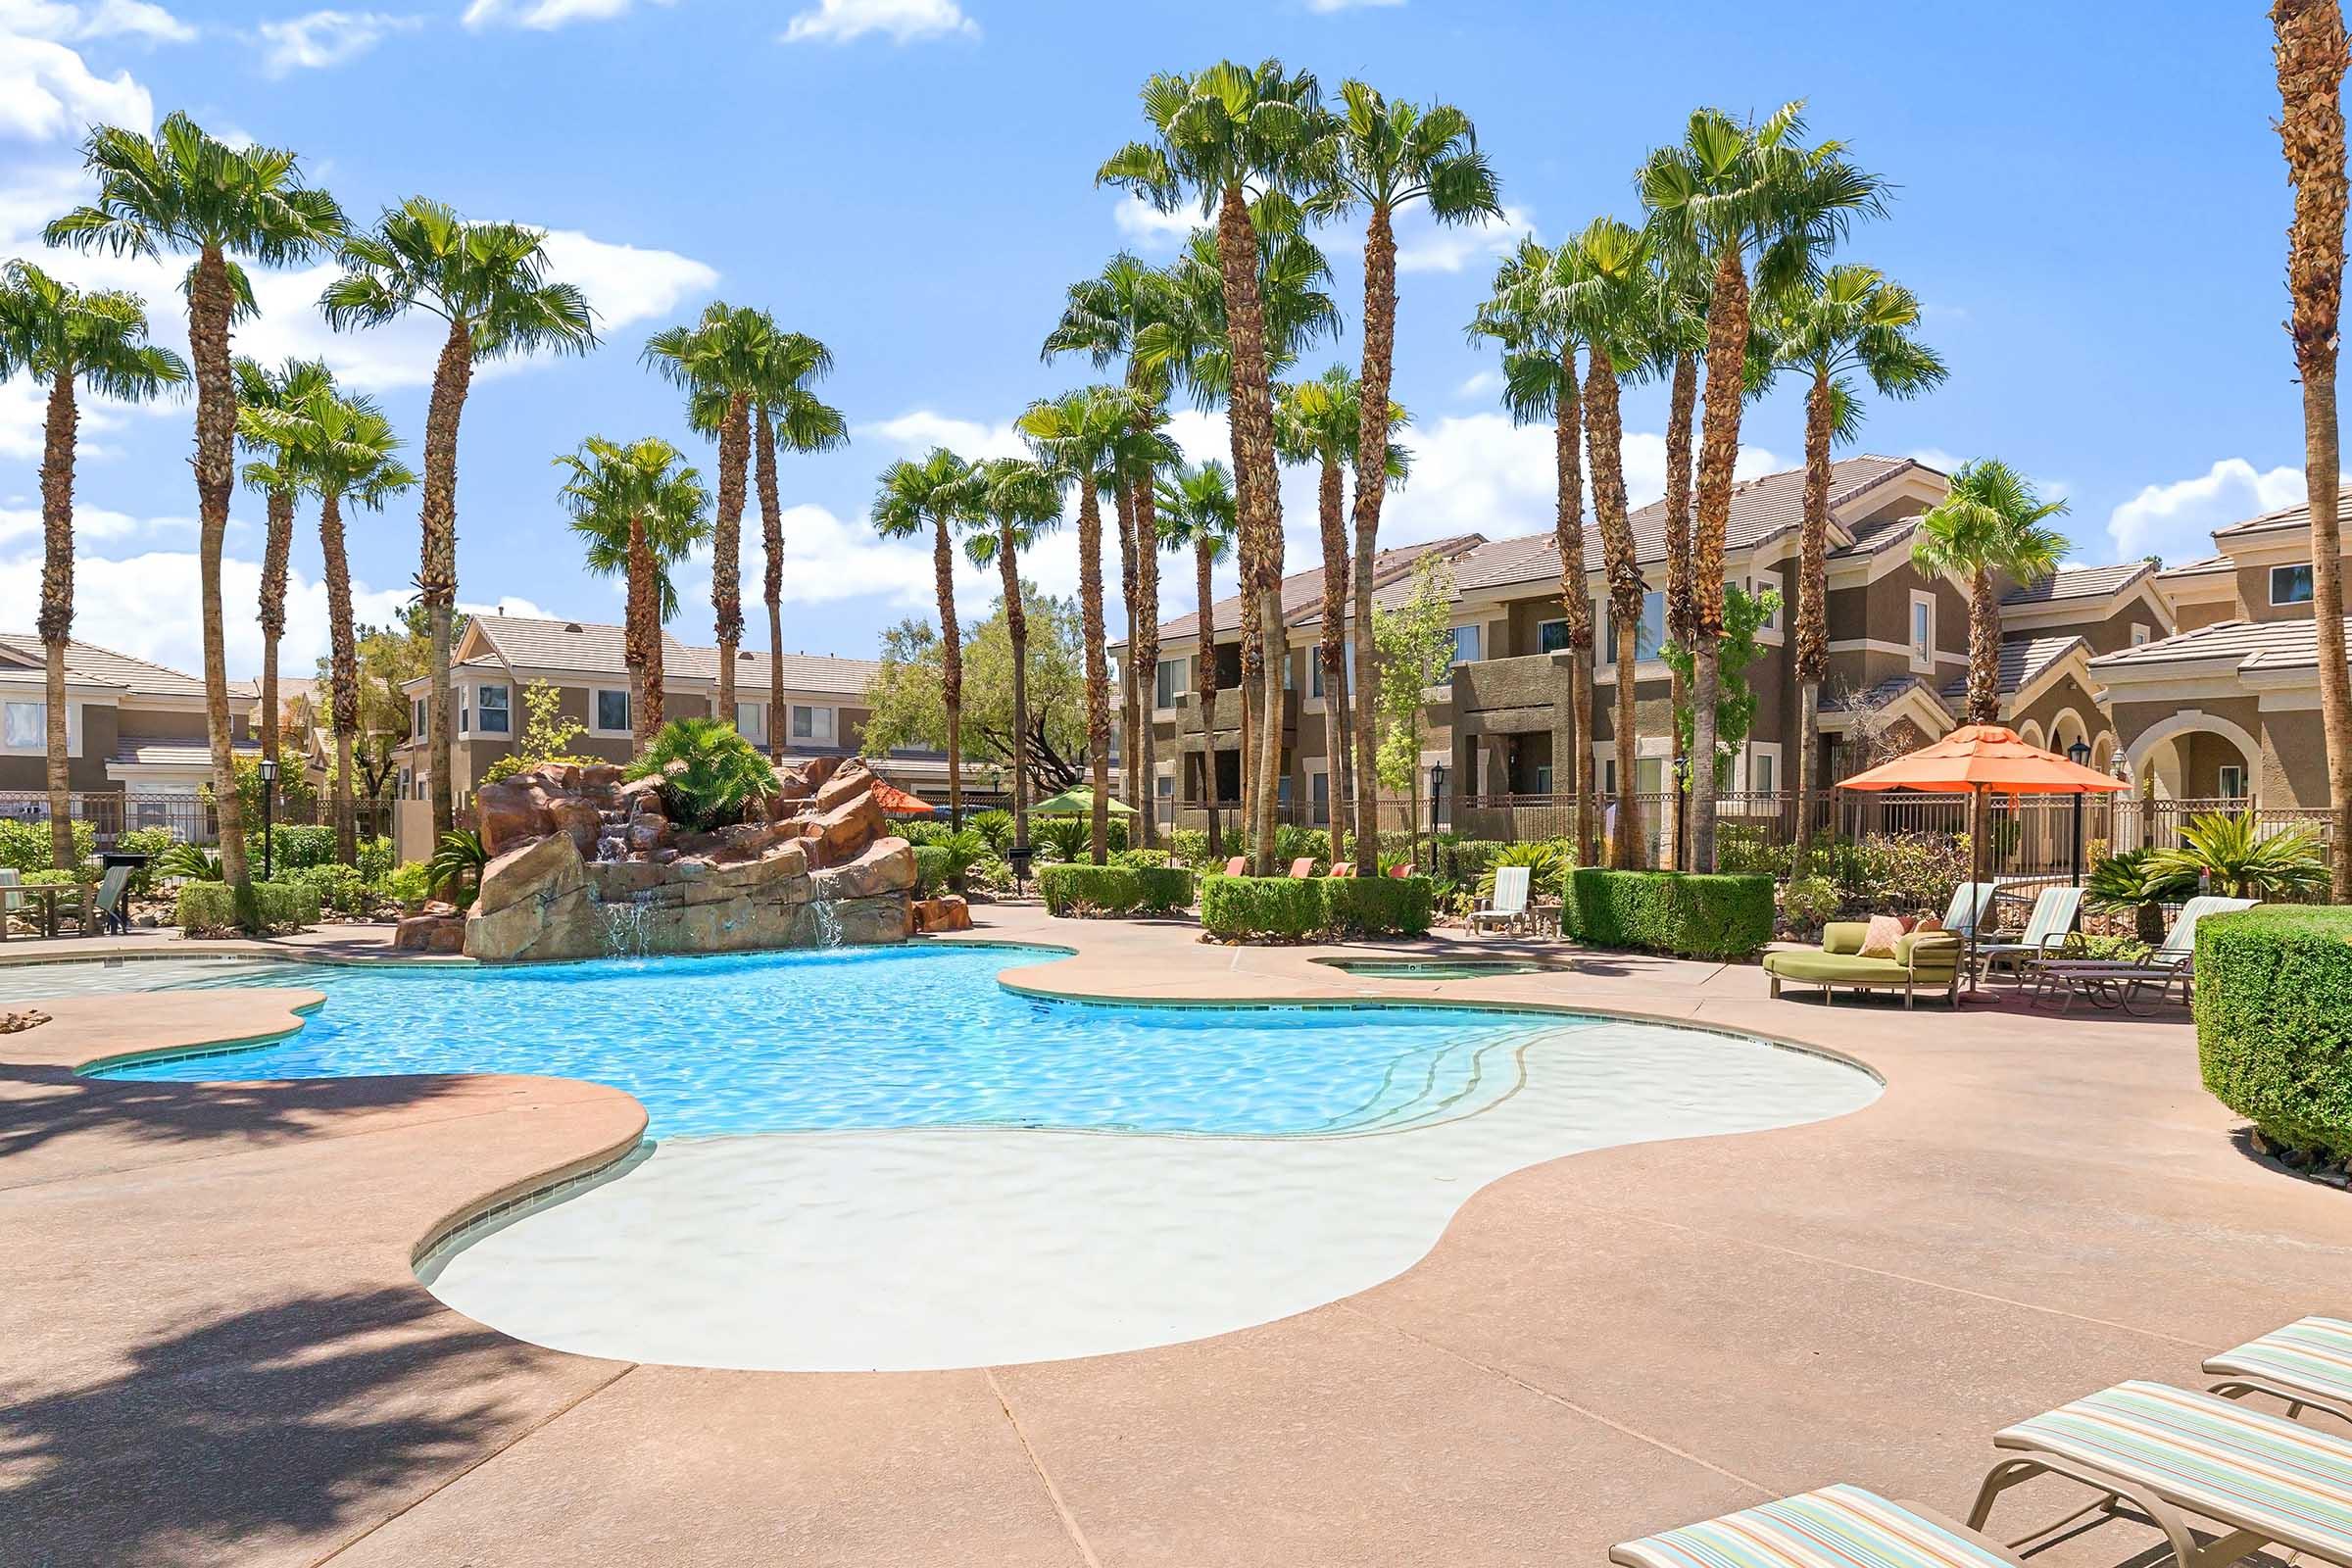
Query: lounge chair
[2307, 1364]
[1836, 1525]
[2178, 1457]
[2047, 928]
[106, 905]
[10, 903]
[1923, 960]
[1236, 866]
[1970, 901]
[1303, 867]
[2113, 982]
[1507, 909]
[1343, 868]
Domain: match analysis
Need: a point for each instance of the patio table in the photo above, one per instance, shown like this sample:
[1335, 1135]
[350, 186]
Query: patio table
[48, 897]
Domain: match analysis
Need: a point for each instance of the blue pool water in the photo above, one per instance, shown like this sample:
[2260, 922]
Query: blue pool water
[881, 1038]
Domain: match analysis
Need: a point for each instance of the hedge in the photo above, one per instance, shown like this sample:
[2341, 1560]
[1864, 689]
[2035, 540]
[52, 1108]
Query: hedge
[206, 908]
[932, 863]
[1379, 906]
[1073, 889]
[1293, 910]
[1686, 914]
[2274, 1010]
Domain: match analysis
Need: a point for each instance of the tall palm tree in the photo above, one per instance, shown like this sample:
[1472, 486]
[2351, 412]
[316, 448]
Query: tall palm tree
[1990, 522]
[1855, 322]
[787, 416]
[1527, 317]
[488, 284]
[1320, 421]
[1728, 191]
[1385, 155]
[937, 494]
[1018, 504]
[640, 507]
[52, 331]
[261, 391]
[183, 191]
[2310, 62]
[1197, 513]
[1677, 308]
[341, 450]
[1218, 138]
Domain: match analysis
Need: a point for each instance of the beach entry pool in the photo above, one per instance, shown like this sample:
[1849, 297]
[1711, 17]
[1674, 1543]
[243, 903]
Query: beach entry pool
[884, 1158]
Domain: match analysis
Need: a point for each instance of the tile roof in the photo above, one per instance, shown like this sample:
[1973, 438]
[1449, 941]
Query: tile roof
[2023, 659]
[2078, 582]
[1877, 696]
[1303, 591]
[2252, 644]
[593, 648]
[89, 663]
[174, 752]
[2297, 515]
[2199, 569]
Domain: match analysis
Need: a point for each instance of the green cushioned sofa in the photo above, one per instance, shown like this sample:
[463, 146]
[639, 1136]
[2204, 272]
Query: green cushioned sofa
[1924, 961]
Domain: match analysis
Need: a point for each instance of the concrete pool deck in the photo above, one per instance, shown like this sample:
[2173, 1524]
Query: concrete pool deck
[212, 1347]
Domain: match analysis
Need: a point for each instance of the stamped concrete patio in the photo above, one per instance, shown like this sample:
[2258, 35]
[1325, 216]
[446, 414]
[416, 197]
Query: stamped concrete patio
[212, 1350]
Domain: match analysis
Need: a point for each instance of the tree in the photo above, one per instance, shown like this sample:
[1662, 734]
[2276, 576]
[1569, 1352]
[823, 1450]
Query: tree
[1852, 322]
[2310, 59]
[910, 705]
[1024, 501]
[786, 417]
[1414, 643]
[184, 190]
[1726, 191]
[1990, 521]
[1320, 421]
[389, 657]
[546, 738]
[1197, 513]
[52, 331]
[935, 494]
[487, 282]
[640, 508]
[1745, 614]
[1219, 137]
[1677, 310]
[260, 390]
[1385, 155]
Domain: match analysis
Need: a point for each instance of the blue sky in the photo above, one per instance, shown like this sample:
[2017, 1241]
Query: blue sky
[2092, 215]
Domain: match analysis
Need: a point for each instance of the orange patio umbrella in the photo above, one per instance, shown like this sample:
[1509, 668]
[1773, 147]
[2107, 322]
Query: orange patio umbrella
[896, 801]
[1983, 760]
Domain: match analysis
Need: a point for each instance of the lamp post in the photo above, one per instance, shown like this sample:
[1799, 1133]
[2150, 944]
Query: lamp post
[269, 772]
[1682, 807]
[1437, 810]
[2079, 754]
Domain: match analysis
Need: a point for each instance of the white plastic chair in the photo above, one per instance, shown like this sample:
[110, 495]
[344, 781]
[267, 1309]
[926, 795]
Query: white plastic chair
[1508, 907]
[2053, 916]
[1970, 900]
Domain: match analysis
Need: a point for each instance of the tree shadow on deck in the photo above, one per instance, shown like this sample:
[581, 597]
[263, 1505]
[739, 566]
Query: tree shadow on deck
[42, 1105]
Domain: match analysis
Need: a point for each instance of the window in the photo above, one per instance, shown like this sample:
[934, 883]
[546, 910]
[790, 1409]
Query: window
[2139, 635]
[407, 785]
[2290, 585]
[1281, 791]
[751, 720]
[1465, 645]
[1543, 778]
[612, 712]
[1318, 795]
[1551, 636]
[1762, 769]
[491, 706]
[1923, 632]
[812, 725]
[417, 717]
[1757, 586]
[24, 726]
[2233, 783]
[1314, 671]
[1651, 635]
[1167, 683]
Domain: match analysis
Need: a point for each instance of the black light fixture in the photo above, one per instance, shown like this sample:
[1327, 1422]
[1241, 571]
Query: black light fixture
[269, 772]
[2079, 754]
[1437, 799]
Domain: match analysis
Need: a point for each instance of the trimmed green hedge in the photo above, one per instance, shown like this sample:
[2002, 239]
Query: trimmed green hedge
[1688, 916]
[2274, 1010]
[1072, 890]
[1293, 910]
[1378, 905]
[206, 908]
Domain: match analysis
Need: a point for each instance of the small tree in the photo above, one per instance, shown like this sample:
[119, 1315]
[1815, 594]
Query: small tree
[546, 733]
[1414, 647]
[1743, 616]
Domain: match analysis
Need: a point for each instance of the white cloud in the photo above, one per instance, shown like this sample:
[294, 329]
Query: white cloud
[915, 433]
[2176, 521]
[1484, 384]
[323, 38]
[47, 92]
[109, 19]
[626, 283]
[89, 523]
[1937, 457]
[507, 605]
[544, 14]
[1425, 246]
[1149, 227]
[901, 21]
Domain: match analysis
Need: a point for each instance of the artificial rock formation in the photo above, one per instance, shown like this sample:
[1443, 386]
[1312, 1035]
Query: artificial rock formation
[583, 864]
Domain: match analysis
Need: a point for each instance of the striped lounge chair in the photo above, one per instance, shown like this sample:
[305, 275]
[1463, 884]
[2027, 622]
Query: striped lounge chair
[1836, 1526]
[2307, 1363]
[2178, 1457]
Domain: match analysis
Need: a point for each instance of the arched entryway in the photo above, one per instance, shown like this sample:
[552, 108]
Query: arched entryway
[2195, 757]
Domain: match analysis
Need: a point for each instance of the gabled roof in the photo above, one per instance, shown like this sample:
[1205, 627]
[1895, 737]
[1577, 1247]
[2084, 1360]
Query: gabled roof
[591, 648]
[91, 664]
[1303, 591]
[2249, 644]
[2080, 582]
[175, 751]
[2023, 660]
[1877, 696]
[2297, 515]
[2211, 565]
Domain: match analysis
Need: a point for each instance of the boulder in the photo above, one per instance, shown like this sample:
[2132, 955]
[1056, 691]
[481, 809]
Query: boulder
[512, 811]
[851, 779]
[580, 818]
[842, 833]
[886, 866]
[429, 933]
[797, 781]
[542, 869]
[600, 776]
[638, 794]
[947, 912]
[649, 831]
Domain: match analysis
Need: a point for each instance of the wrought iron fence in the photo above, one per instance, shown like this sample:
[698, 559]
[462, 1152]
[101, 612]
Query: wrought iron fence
[190, 817]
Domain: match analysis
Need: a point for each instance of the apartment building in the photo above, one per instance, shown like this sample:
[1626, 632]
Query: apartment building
[132, 726]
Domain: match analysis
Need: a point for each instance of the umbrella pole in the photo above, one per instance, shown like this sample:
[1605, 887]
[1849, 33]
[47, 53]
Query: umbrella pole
[1976, 865]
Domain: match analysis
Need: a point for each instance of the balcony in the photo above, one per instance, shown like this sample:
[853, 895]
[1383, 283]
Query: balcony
[1229, 714]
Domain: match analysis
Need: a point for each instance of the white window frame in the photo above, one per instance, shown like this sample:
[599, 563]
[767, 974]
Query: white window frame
[1756, 586]
[419, 708]
[596, 702]
[1478, 643]
[758, 713]
[831, 725]
[2294, 565]
[2244, 784]
[2141, 633]
[1560, 622]
[1322, 776]
[40, 748]
[1767, 751]
[477, 691]
[1178, 684]
[1922, 662]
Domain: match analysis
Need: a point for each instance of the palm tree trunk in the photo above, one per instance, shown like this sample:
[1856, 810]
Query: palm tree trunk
[772, 538]
[277, 552]
[437, 577]
[1122, 500]
[726, 545]
[1253, 651]
[344, 668]
[1250, 404]
[1206, 664]
[1604, 434]
[951, 664]
[210, 302]
[2310, 62]
[1576, 601]
[1812, 604]
[1270, 752]
[641, 649]
[1983, 649]
[1097, 667]
[57, 603]
[1372, 459]
[1682, 396]
[1146, 653]
[1718, 452]
[1016, 628]
[1330, 507]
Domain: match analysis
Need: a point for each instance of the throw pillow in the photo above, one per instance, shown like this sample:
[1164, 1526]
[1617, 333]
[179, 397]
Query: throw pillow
[1884, 932]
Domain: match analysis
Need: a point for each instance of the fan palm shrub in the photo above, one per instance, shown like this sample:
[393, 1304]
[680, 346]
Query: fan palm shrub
[2132, 881]
[460, 858]
[710, 776]
[2230, 848]
[1066, 838]
[1548, 864]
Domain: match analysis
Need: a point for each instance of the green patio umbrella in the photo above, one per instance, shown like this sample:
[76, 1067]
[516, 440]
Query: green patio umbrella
[1078, 801]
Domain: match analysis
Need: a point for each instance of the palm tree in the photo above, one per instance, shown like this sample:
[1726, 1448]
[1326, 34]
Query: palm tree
[2310, 62]
[340, 450]
[1197, 513]
[1525, 316]
[1386, 156]
[937, 494]
[1218, 138]
[260, 390]
[1724, 191]
[640, 508]
[1853, 322]
[1677, 308]
[1019, 503]
[54, 333]
[1990, 522]
[1320, 421]
[488, 284]
[786, 417]
[183, 191]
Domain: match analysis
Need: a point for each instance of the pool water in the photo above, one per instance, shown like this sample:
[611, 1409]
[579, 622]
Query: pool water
[883, 1038]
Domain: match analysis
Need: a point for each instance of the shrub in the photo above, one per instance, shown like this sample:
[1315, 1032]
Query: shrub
[460, 858]
[1379, 906]
[376, 858]
[148, 840]
[208, 909]
[1745, 849]
[189, 863]
[995, 826]
[1294, 843]
[412, 883]
[2274, 1010]
[721, 777]
[1548, 864]
[2231, 849]
[1692, 917]
[50, 878]
[292, 847]
[921, 830]
[1140, 857]
[1074, 890]
[1899, 874]
[961, 850]
[931, 865]
[1189, 846]
[25, 844]
[1464, 861]
[1811, 902]
[2135, 882]
[1062, 838]
[340, 888]
[1282, 907]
